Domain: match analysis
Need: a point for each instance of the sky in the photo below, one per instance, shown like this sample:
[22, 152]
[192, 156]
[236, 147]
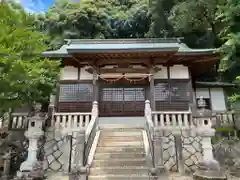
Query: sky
[36, 5]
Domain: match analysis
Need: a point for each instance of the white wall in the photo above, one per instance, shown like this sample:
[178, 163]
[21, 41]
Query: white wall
[218, 99]
[216, 95]
[179, 72]
[69, 73]
[162, 74]
[204, 92]
[84, 75]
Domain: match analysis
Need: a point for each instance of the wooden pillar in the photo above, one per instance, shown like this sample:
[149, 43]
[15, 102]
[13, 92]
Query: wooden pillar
[190, 87]
[152, 90]
[95, 84]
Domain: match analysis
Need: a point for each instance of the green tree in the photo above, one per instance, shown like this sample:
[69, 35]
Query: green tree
[95, 19]
[160, 11]
[25, 76]
[229, 15]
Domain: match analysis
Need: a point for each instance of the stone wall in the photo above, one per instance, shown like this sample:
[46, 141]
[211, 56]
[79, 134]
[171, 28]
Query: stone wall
[58, 150]
[191, 151]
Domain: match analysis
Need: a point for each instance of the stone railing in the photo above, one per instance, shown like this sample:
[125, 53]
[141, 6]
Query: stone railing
[78, 131]
[171, 119]
[178, 126]
[71, 121]
[84, 143]
[18, 121]
[223, 119]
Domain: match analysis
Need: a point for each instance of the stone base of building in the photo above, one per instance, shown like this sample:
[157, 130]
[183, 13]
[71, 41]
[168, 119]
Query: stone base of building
[209, 175]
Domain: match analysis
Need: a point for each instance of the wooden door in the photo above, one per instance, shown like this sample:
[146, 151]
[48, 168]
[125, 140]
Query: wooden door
[122, 101]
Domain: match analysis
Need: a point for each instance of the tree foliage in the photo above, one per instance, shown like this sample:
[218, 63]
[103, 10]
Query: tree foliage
[25, 76]
[95, 19]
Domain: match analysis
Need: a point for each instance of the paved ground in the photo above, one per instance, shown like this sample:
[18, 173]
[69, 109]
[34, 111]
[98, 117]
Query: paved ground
[173, 176]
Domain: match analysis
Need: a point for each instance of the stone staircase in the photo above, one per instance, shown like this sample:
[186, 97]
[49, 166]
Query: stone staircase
[120, 155]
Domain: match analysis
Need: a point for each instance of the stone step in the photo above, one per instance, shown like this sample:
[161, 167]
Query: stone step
[122, 126]
[132, 155]
[120, 138]
[122, 144]
[119, 162]
[120, 133]
[119, 149]
[118, 177]
[119, 170]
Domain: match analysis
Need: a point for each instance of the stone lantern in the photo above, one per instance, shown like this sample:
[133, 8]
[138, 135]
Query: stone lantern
[33, 133]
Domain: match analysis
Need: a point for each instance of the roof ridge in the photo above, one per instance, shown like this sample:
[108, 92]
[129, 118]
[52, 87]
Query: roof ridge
[123, 41]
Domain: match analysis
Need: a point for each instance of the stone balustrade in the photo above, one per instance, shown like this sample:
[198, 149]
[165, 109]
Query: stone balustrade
[225, 118]
[18, 121]
[171, 119]
[71, 121]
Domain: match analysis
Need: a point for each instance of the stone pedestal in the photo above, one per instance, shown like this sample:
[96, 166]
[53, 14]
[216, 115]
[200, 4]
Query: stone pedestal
[209, 168]
[159, 173]
[32, 151]
[209, 175]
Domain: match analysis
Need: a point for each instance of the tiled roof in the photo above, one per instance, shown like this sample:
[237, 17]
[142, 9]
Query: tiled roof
[124, 45]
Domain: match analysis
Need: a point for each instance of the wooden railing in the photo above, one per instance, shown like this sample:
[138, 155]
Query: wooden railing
[163, 119]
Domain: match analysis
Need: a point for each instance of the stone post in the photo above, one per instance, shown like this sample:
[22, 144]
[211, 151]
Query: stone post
[78, 160]
[177, 132]
[95, 109]
[159, 169]
[6, 167]
[51, 109]
[147, 110]
[66, 156]
[33, 133]
[157, 145]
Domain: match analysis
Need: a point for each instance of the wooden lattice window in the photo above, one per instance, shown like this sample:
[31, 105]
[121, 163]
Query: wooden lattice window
[75, 97]
[75, 92]
[172, 95]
